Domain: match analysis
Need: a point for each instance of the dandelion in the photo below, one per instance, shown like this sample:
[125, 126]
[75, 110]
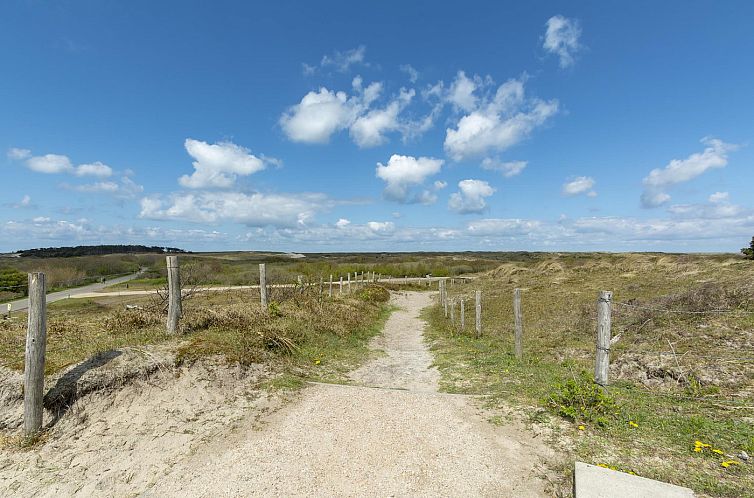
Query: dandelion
[317, 361]
[719, 452]
[581, 427]
[633, 424]
[728, 463]
[698, 449]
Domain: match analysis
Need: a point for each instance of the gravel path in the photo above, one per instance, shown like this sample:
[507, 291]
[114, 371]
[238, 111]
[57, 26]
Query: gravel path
[392, 434]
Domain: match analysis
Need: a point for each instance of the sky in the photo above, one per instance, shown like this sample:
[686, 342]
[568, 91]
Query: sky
[388, 126]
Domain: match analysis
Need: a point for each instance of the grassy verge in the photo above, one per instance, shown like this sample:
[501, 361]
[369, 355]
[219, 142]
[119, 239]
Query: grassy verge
[302, 334]
[659, 405]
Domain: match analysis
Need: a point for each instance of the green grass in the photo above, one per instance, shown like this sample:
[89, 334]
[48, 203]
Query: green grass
[711, 402]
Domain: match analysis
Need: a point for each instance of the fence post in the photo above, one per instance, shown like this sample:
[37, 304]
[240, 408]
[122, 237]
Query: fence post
[519, 326]
[602, 363]
[263, 285]
[453, 311]
[321, 285]
[349, 282]
[174, 294]
[463, 313]
[331, 285]
[478, 313]
[36, 343]
[341, 286]
[445, 297]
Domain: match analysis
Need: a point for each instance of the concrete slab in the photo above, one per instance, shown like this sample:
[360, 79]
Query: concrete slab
[591, 481]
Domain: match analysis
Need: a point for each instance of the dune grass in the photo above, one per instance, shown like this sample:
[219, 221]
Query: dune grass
[677, 378]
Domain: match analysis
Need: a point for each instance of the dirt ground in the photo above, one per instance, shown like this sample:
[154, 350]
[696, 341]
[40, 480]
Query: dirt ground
[211, 432]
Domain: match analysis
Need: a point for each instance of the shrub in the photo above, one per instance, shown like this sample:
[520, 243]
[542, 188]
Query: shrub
[749, 251]
[374, 294]
[581, 400]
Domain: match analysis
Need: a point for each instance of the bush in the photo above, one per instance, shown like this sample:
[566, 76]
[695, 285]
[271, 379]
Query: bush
[581, 400]
[749, 251]
[374, 294]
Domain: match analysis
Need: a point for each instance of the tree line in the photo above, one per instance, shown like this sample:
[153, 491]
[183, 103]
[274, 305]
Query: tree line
[99, 250]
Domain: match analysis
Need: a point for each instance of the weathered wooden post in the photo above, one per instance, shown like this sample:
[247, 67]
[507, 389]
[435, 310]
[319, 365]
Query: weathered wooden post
[321, 285]
[479, 313]
[445, 297]
[36, 343]
[330, 285]
[453, 311]
[174, 294]
[349, 282]
[341, 286]
[519, 327]
[463, 313]
[602, 363]
[263, 285]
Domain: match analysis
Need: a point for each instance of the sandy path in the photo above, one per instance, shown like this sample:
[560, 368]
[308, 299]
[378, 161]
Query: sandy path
[398, 437]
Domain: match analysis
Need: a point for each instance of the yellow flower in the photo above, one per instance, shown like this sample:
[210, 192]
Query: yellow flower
[719, 452]
[317, 361]
[581, 427]
[698, 449]
[728, 463]
[633, 424]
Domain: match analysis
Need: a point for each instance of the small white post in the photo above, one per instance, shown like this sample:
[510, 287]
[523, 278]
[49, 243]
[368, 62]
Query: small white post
[263, 285]
[341, 286]
[330, 285]
[479, 313]
[463, 313]
[453, 311]
[602, 363]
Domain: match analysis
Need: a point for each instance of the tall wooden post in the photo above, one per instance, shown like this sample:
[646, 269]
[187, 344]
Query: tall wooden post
[478, 313]
[263, 285]
[36, 344]
[174, 294]
[602, 363]
[519, 327]
[330, 294]
[452, 311]
[341, 286]
[463, 313]
[349, 282]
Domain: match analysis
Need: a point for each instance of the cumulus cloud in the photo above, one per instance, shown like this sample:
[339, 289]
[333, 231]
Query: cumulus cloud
[321, 114]
[508, 169]
[718, 197]
[580, 185]
[470, 197]
[58, 163]
[256, 209]
[461, 93]
[342, 223]
[715, 155]
[125, 188]
[218, 165]
[381, 227]
[498, 122]
[402, 172]
[562, 39]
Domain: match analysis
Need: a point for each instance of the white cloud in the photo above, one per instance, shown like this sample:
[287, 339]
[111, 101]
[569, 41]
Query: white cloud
[25, 201]
[342, 61]
[318, 116]
[403, 172]
[50, 164]
[470, 197]
[381, 227]
[718, 197]
[439, 184]
[715, 155]
[498, 123]
[218, 165]
[18, 154]
[508, 169]
[94, 169]
[412, 73]
[255, 209]
[125, 188]
[580, 185]
[562, 38]
[369, 129]
[461, 93]
[342, 223]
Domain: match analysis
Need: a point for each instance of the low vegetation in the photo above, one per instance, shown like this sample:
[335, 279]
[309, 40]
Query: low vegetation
[682, 361]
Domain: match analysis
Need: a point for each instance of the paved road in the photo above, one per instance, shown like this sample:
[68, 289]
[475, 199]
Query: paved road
[23, 304]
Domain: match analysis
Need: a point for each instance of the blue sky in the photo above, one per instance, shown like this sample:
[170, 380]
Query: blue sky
[392, 126]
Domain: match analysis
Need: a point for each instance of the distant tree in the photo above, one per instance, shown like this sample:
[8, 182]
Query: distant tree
[749, 251]
[67, 252]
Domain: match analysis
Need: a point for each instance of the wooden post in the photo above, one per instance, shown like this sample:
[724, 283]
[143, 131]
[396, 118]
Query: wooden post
[445, 297]
[263, 285]
[519, 326]
[463, 313]
[321, 285]
[36, 343]
[602, 363]
[174, 294]
[331, 285]
[341, 286]
[453, 311]
[349, 282]
[479, 313]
